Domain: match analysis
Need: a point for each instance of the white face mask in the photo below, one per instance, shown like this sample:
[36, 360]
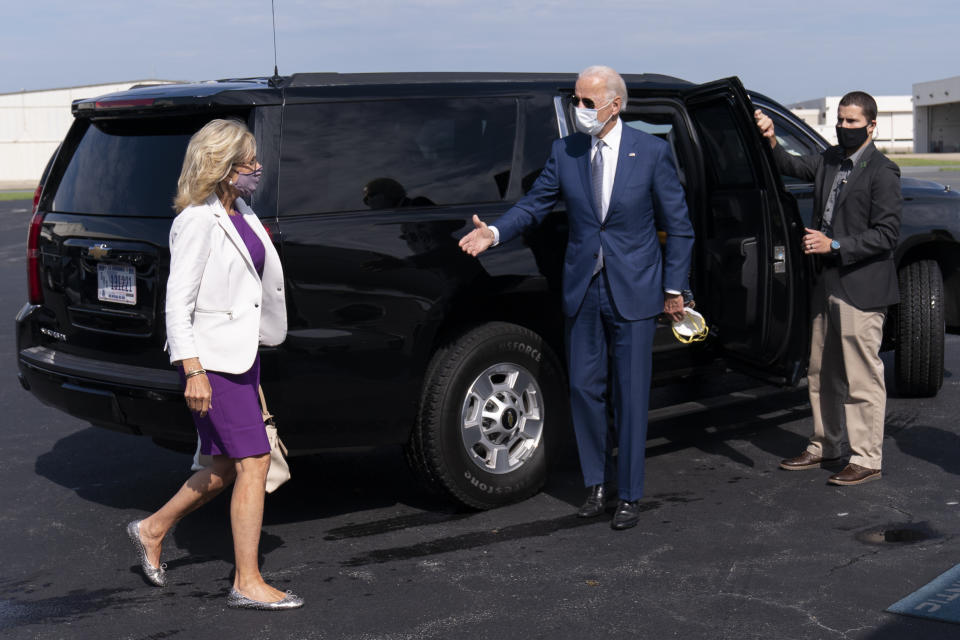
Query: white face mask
[587, 121]
[693, 327]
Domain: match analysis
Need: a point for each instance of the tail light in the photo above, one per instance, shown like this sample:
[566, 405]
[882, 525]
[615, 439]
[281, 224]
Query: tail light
[36, 197]
[34, 276]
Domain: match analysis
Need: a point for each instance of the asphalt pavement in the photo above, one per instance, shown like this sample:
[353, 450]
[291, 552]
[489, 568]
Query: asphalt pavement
[729, 545]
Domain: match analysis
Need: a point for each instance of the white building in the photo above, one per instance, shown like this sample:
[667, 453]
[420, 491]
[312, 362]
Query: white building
[937, 115]
[33, 123]
[894, 131]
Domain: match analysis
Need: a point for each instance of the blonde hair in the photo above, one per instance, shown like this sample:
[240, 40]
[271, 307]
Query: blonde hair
[210, 155]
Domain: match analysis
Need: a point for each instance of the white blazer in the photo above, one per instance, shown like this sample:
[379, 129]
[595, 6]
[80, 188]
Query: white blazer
[218, 309]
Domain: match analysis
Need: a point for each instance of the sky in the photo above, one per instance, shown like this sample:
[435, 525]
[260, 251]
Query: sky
[790, 50]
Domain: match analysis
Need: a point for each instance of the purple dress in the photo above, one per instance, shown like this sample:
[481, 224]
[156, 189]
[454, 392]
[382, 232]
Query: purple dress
[234, 425]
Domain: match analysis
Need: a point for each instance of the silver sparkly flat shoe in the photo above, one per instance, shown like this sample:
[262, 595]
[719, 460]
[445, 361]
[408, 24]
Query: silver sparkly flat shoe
[156, 575]
[237, 600]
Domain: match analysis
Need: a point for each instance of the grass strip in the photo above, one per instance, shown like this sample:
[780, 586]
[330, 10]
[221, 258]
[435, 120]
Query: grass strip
[16, 195]
[925, 162]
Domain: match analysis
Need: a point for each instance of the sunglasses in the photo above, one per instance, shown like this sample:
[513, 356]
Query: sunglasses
[249, 165]
[587, 102]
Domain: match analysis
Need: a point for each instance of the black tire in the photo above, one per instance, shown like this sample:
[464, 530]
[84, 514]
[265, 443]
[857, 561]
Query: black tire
[920, 330]
[501, 388]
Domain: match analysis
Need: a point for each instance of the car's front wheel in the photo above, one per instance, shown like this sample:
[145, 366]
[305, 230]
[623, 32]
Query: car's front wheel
[490, 398]
[920, 330]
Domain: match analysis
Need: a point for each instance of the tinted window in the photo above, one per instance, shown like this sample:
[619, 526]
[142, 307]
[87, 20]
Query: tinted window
[793, 142]
[373, 155]
[126, 167]
[727, 162]
[540, 132]
[661, 126]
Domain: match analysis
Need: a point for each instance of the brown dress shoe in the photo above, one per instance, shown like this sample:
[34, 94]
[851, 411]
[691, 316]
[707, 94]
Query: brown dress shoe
[805, 460]
[854, 474]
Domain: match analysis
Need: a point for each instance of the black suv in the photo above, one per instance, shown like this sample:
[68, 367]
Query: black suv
[395, 335]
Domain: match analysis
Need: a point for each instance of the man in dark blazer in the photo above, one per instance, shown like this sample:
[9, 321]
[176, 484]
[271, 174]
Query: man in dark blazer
[619, 186]
[857, 206]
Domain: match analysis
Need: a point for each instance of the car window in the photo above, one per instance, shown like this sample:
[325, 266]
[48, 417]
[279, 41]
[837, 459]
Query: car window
[350, 156]
[653, 128]
[728, 164]
[125, 167]
[540, 131]
[661, 126]
[792, 140]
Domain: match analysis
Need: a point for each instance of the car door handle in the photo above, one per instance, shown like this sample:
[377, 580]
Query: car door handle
[779, 259]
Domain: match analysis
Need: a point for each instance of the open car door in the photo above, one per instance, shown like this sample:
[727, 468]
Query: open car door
[752, 284]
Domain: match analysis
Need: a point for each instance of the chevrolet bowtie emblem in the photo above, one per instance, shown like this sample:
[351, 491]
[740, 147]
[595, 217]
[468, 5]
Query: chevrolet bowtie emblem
[98, 251]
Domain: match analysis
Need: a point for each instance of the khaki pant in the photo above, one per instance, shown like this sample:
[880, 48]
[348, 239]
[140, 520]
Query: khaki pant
[845, 377]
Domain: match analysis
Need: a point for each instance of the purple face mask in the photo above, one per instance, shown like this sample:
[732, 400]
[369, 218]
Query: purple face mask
[246, 183]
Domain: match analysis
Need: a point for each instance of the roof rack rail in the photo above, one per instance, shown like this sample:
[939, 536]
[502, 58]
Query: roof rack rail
[421, 77]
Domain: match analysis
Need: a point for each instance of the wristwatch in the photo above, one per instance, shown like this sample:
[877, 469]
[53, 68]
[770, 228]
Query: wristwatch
[834, 245]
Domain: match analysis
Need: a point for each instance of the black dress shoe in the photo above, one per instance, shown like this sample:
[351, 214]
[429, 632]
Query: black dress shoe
[627, 515]
[596, 502]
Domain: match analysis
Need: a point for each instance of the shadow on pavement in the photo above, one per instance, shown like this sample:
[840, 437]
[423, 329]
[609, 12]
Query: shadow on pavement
[933, 445]
[130, 472]
[902, 627]
[759, 421]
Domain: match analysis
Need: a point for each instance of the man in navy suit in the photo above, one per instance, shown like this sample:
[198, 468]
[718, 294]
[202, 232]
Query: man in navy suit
[620, 186]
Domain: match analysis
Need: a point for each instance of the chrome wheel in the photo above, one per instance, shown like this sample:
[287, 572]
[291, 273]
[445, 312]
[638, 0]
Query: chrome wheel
[501, 421]
[480, 435]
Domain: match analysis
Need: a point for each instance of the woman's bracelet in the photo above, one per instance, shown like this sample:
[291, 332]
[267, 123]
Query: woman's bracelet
[195, 372]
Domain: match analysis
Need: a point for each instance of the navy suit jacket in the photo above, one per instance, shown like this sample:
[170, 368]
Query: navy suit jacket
[647, 196]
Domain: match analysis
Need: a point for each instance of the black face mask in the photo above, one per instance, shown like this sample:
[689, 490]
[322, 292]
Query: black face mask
[851, 139]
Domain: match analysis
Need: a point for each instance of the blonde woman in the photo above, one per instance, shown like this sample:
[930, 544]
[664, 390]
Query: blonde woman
[224, 297]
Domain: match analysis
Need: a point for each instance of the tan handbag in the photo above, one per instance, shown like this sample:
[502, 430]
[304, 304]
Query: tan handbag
[279, 471]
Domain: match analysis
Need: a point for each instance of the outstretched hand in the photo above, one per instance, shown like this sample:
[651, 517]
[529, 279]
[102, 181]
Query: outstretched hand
[478, 240]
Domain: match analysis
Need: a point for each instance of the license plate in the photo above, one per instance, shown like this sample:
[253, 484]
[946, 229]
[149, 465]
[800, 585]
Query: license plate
[117, 283]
